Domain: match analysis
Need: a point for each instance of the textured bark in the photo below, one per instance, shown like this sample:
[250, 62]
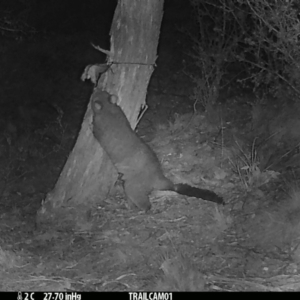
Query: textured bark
[86, 178]
[134, 39]
[88, 174]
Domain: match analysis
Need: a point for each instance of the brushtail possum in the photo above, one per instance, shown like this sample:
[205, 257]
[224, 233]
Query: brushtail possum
[134, 160]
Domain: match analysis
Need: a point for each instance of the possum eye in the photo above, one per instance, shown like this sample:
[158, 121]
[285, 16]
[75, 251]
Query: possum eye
[97, 106]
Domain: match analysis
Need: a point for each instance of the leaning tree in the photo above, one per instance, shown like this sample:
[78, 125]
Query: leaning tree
[88, 175]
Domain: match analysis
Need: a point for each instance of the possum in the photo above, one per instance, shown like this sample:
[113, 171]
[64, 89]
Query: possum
[134, 160]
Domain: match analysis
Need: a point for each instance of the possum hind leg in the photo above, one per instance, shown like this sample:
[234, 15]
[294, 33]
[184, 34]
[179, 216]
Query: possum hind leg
[136, 195]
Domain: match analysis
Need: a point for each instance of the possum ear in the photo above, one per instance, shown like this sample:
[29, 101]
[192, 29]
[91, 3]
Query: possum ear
[97, 106]
[114, 99]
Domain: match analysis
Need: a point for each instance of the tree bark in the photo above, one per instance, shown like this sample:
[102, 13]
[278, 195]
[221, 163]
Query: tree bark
[88, 175]
[134, 39]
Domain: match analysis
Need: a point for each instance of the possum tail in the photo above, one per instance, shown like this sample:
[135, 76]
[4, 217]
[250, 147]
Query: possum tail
[187, 190]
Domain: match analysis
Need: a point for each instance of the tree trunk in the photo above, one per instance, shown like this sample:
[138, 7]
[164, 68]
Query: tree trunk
[134, 39]
[88, 175]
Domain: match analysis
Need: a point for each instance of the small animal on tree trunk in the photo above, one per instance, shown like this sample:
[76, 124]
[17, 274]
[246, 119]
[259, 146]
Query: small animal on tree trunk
[136, 162]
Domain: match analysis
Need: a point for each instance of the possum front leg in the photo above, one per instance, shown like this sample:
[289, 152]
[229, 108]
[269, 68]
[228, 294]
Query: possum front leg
[136, 196]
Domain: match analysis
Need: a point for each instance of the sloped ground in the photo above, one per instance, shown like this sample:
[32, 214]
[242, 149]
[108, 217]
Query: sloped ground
[183, 244]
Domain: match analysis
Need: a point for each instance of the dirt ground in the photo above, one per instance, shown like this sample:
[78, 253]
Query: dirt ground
[183, 244]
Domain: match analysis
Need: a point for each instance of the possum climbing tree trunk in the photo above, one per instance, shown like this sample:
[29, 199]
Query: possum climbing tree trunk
[88, 175]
